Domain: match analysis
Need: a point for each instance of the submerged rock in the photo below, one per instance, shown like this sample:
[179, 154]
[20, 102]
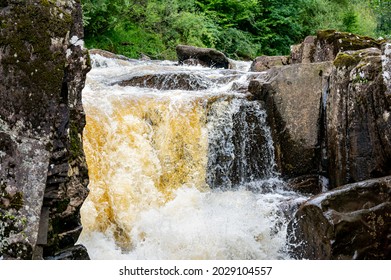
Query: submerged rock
[184, 81]
[350, 222]
[43, 173]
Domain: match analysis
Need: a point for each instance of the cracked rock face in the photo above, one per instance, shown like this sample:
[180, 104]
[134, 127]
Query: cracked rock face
[293, 96]
[43, 173]
[358, 127]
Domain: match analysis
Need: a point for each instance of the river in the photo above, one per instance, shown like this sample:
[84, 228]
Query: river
[181, 165]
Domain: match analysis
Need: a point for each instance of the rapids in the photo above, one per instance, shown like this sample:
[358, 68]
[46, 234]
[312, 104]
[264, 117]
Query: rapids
[181, 165]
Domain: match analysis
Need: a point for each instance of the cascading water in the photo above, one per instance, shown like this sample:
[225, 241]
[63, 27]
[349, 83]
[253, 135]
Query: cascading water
[240, 147]
[181, 165]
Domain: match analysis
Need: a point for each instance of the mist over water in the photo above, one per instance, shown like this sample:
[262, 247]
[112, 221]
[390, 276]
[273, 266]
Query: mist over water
[179, 174]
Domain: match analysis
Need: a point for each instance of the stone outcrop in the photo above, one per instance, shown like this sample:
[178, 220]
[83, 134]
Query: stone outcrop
[203, 56]
[329, 112]
[304, 52]
[350, 222]
[330, 118]
[327, 44]
[358, 125]
[184, 81]
[264, 62]
[293, 96]
[43, 173]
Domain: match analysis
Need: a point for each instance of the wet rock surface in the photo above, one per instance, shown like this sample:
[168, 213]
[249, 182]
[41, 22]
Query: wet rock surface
[358, 124]
[331, 129]
[331, 121]
[184, 81]
[309, 184]
[43, 173]
[108, 54]
[293, 98]
[350, 222]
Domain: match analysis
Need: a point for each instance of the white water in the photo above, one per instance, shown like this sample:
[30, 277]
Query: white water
[161, 163]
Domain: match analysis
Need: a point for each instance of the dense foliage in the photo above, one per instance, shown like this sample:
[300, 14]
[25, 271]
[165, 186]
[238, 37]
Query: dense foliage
[239, 28]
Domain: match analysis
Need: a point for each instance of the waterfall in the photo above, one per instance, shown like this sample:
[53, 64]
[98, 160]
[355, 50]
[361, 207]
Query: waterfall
[240, 146]
[181, 165]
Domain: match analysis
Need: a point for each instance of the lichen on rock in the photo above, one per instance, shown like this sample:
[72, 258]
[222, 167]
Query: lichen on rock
[356, 130]
[43, 70]
[326, 45]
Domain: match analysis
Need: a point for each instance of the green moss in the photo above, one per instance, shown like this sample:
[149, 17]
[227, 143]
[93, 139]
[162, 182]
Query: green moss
[11, 222]
[356, 43]
[30, 35]
[38, 64]
[20, 250]
[345, 60]
[62, 205]
[75, 144]
[360, 80]
[344, 41]
[45, 2]
[3, 24]
[325, 34]
[289, 168]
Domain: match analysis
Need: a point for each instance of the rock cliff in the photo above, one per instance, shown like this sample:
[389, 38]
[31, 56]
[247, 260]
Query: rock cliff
[329, 112]
[43, 173]
[293, 96]
[358, 126]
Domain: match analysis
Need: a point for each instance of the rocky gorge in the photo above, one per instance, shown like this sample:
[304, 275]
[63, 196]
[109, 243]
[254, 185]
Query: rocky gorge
[328, 109]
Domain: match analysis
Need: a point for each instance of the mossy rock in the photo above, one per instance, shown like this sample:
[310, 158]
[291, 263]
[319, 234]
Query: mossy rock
[41, 92]
[345, 60]
[360, 57]
[343, 41]
[28, 38]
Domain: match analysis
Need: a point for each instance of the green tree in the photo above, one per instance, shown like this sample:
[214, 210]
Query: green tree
[279, 26]
[382, 9]
[241, 29]
[352, 16]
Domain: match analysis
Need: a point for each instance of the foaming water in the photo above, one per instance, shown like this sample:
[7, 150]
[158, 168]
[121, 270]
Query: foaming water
[178, 174]
[202, 225]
